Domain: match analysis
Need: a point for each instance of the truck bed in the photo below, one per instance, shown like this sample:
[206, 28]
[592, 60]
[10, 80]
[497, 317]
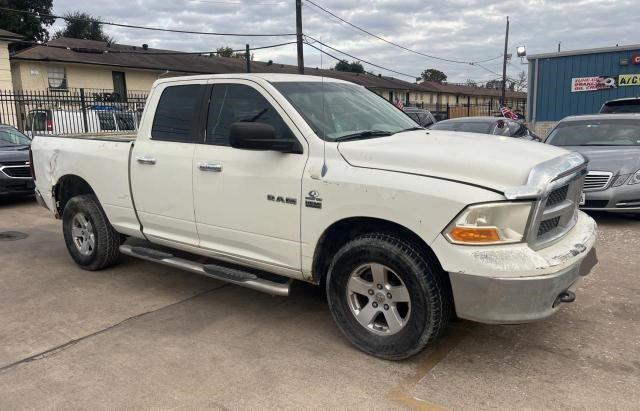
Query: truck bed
[101, 160]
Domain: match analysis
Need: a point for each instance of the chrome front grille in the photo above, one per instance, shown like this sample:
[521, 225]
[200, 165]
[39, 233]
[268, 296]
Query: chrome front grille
[558, 195]
[556, 212]
[597, 180]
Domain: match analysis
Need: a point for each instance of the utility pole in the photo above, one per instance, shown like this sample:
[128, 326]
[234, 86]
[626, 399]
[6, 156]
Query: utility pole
[299, 36]
[504, 66]
[559, 43]
[247, 56]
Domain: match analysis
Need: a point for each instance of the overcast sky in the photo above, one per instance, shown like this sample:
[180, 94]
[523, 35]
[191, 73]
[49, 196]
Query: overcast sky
[467, 30]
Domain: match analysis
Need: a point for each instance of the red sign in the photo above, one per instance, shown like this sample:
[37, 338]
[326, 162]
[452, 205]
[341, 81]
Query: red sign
[635, 59]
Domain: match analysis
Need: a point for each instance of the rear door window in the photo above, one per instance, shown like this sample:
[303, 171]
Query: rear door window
[177, 114]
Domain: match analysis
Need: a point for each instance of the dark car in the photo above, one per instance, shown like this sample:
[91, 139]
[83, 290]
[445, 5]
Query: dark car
[499, 126]
[622, 105]
[423, 117]
[15, 173]
[611, 142]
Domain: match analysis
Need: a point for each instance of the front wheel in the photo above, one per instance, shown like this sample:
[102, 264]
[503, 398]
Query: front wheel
[388, 299]
[91, 240]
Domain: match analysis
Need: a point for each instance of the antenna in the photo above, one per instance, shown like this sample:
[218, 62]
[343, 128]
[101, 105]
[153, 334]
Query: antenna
[324, 131]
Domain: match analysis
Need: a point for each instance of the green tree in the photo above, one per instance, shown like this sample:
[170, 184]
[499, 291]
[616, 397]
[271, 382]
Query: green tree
[80, 25]
[227, 51]
[33, 28]
[224, 51]
[353, 67]
[434, 75]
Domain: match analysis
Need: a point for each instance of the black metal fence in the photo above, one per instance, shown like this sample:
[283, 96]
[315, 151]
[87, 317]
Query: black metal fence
[72, 111]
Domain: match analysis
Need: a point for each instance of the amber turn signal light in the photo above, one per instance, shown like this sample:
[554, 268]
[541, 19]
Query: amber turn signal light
[475, 234]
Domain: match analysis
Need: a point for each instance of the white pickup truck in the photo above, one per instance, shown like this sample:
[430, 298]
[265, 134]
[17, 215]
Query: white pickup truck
[321, 180]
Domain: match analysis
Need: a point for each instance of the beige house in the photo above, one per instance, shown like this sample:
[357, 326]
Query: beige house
[6, 37]
[65, 63]
[6, 82]
[456, 94]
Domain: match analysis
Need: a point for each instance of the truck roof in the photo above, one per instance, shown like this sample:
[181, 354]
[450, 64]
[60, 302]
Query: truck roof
[270, 77]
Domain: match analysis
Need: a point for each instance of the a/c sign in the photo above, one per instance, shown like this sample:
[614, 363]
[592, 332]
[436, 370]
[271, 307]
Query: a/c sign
[628, 80]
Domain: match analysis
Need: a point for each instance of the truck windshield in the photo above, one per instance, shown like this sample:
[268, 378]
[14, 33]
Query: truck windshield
[335, 110]
[596, 133]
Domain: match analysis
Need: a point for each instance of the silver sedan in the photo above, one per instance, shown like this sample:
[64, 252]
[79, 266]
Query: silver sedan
[611, 142]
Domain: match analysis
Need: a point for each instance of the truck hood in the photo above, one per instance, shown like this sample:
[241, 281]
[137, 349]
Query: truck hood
[623, 160]
[493, 162]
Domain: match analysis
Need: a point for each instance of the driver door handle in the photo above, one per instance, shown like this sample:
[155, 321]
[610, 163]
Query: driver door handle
[216, 168]
[146, 160]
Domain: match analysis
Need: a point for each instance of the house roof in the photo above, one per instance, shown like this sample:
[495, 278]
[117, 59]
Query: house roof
[69, 50]
[470, 90]
[8, 35]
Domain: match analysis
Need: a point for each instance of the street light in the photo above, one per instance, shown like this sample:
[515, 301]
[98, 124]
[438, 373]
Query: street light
[521, 51]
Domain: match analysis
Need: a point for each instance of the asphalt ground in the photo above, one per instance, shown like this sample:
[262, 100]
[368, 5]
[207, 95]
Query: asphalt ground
[141, 335]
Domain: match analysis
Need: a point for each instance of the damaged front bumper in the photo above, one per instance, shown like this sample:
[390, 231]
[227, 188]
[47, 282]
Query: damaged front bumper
[516, 284]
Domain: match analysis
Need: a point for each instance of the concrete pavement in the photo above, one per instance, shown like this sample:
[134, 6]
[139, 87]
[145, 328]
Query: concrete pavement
[140, 335]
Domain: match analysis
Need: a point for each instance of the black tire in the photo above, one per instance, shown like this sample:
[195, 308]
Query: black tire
[426, 283]
[106, 240]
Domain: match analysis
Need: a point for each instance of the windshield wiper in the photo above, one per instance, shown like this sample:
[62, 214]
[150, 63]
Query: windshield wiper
[363, 134]
[410, 129]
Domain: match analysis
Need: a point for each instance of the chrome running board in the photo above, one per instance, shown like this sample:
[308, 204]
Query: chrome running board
[217, 272]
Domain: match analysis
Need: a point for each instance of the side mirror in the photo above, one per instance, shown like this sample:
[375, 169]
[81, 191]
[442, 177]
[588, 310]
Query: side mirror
[260, 136]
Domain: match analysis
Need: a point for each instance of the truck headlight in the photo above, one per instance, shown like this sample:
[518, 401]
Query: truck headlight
[635, 179]
[490, 223]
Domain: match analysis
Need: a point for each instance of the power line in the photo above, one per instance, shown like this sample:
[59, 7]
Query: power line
[396, 44]
[354, 57]
[497, 74]
[131, 26]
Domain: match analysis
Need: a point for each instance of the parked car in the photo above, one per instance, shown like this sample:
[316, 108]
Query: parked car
[499, 126]
[98, 119]
[15, 173]
[321, 180]
[611, 142]
[622, 105]
[423, 117]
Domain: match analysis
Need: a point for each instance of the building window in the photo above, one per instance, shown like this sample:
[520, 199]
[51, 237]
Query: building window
[57, 78]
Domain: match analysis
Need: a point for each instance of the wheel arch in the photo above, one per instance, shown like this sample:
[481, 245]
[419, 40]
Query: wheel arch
[67, 187]
[341, 231]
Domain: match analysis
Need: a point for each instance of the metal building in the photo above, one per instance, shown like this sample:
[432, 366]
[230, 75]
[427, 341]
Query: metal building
[580, 81]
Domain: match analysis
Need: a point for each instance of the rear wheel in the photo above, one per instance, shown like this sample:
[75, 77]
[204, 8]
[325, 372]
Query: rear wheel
[91, 240]
[387, 298]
